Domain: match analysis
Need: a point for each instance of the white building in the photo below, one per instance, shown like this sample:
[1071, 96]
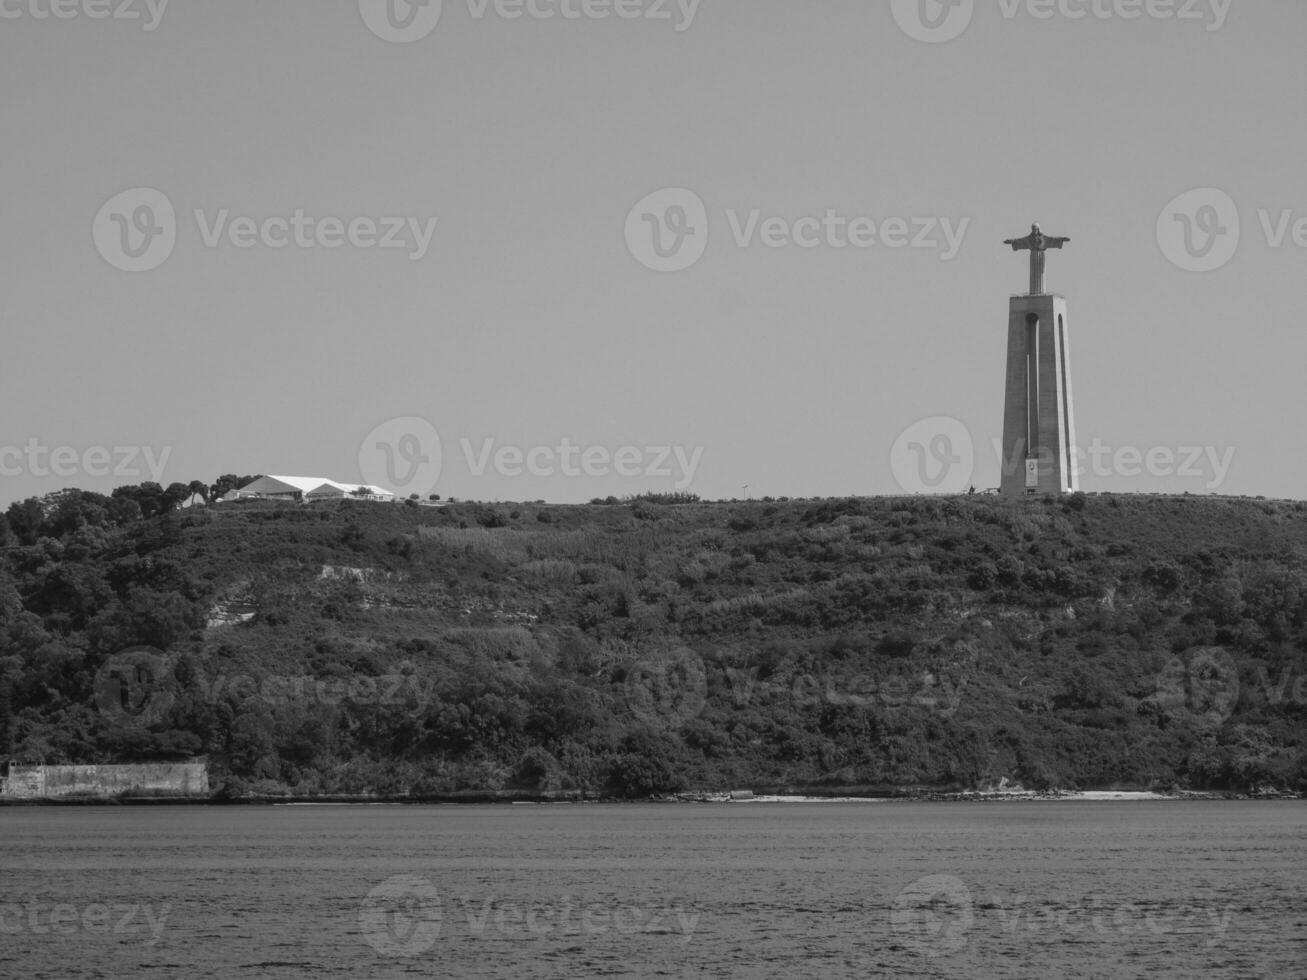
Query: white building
[306, 489]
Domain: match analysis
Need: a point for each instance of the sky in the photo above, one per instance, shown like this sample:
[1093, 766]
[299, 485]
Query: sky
[565, 249]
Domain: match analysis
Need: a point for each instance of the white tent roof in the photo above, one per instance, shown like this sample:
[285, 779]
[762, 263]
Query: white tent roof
[306, 485]
[301, 483]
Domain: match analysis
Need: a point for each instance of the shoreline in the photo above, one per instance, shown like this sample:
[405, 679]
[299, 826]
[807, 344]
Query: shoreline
[710, 798]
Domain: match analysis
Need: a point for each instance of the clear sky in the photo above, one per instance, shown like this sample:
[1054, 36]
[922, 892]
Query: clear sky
[530, 320]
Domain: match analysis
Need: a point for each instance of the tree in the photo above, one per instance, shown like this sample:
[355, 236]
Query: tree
[124, 510]
[175, 496]
[73, 509]
[149, 496]
[25, 518]
[228, 482]
[6, 716]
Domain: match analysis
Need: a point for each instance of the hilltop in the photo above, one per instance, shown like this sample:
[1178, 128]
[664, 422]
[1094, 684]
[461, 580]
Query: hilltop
[647, 646]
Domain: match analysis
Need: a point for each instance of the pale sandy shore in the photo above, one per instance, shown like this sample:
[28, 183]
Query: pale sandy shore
[1004, 795]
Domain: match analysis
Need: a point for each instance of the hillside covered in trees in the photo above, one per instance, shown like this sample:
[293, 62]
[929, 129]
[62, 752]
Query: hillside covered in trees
[652, 646]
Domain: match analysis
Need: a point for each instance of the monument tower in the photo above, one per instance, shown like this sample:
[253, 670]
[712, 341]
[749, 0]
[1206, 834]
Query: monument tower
[1039, 433]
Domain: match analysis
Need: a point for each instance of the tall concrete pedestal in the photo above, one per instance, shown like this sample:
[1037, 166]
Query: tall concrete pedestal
[1039, 434]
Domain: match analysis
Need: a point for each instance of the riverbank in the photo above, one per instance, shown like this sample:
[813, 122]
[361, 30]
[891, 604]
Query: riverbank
[737, 797]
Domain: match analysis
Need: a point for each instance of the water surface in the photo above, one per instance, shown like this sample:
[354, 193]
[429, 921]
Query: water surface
[1021, 889]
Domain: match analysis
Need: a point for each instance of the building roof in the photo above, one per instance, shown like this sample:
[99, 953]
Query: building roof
[307, 485]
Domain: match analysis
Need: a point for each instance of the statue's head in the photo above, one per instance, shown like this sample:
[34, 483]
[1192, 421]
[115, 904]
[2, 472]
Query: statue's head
[1035, 229]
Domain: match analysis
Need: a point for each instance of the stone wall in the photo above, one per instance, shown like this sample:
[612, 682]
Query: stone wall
[153, 779]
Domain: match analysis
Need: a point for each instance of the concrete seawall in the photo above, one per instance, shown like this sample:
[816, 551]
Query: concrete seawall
[150, 779]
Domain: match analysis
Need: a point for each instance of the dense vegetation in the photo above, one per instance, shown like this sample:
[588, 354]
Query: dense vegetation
[662, 644]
